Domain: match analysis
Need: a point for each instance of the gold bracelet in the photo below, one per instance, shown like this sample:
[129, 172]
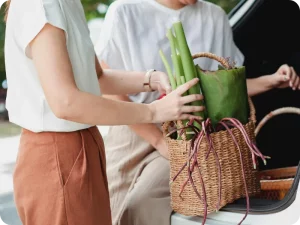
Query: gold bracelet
[147, 79]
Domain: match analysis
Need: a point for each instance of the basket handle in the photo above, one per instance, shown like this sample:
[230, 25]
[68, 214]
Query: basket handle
[209, 55]
[284, 110]
[252, 110]
[166, 125]
[165, 128]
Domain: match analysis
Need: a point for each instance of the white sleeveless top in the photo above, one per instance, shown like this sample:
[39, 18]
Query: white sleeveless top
[26, 102]
[135, 30]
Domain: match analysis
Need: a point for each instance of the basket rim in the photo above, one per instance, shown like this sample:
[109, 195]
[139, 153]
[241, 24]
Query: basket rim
[250, 123]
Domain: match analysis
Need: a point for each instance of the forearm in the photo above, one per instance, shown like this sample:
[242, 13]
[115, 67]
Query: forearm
[149, 132]
[102, 111]
[116, 82]
[259, 85]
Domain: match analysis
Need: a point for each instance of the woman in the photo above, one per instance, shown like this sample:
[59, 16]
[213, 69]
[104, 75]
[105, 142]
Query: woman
[54, 94]
[131, 36]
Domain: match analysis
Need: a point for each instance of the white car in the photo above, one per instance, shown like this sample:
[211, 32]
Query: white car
[266, 31]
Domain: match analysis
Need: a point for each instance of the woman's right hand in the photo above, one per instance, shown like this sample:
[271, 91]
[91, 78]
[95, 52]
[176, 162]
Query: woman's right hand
[174, 105]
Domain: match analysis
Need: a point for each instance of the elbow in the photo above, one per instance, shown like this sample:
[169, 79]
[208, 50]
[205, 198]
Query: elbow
[61, 113]
[63, 108]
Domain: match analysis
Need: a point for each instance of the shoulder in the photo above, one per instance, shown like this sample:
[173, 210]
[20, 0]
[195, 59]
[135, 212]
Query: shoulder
[212, 8]
[40, 9]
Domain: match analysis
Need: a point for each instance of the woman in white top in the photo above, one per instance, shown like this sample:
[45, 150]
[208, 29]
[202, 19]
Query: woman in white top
[130, 39]
[54, 83]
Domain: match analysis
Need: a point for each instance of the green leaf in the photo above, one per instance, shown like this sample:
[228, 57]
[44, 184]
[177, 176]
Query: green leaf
[220, 67]
[225, 94]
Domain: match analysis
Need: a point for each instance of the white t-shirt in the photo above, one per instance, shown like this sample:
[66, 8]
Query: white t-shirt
[135, 30]
[26, 102]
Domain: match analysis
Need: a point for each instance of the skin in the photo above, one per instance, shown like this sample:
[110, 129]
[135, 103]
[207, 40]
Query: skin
[50, 56]
[284, 77]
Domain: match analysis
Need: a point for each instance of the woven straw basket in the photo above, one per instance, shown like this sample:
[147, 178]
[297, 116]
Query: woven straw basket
[232, 184]
[276, 183]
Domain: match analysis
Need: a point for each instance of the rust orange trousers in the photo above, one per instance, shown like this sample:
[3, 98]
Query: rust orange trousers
[60, 179]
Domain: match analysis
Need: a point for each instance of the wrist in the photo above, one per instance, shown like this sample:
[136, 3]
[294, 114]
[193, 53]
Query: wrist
[162, 147]
[155, 80]
[151, 118]
[264, 83]
[159, 142]
[270, 82]
[148, 78]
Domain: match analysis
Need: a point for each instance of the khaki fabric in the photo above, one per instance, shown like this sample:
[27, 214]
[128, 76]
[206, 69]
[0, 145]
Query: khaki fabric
[138, 178]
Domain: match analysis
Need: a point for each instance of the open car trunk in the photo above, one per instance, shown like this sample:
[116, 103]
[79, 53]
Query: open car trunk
[272, 203]
[268, 37]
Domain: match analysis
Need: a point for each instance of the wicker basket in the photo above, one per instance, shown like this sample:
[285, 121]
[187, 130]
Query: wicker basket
[277, 182]
[232, 184]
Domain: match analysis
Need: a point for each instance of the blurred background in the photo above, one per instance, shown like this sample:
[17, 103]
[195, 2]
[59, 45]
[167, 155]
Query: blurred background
[95, 12]
[9, 134]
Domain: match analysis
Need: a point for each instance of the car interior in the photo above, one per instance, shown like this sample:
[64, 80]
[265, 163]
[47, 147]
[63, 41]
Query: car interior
[268, 37]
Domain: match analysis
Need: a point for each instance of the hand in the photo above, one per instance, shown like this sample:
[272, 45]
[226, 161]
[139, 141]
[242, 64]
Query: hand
[162, 148]
[285, 77]
[160, 82]
[174, 105]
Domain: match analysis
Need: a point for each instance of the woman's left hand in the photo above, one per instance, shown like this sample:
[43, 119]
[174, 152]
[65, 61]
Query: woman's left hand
[160, 82]
[286, 77]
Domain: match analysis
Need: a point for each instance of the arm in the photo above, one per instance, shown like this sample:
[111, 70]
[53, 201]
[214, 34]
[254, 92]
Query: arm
[149, 132]
[116, 82]
[259, 85]
[284, 77]
[50, 56]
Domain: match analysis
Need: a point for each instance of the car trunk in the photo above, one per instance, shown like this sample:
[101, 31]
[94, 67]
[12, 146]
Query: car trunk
[268, 37]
